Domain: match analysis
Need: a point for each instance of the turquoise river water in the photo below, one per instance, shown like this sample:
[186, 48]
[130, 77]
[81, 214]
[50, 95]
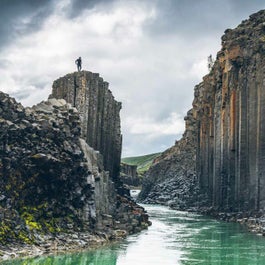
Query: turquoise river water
[174, 238]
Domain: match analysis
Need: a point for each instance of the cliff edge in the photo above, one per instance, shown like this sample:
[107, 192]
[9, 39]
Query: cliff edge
[99, 114]
[225, 153]
[57, 192]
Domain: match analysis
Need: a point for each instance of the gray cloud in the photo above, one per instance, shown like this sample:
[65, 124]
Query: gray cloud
[13, 12]
[77, 7]
[187, 17]
[191, 19]
[138, 145]
[20, 95]
[152, 52]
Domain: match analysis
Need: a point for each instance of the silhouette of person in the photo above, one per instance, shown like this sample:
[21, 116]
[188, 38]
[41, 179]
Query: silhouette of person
[210, 62]
[78, 62]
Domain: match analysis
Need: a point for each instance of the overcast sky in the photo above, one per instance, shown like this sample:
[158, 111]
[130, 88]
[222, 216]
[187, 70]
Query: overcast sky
[152, 52]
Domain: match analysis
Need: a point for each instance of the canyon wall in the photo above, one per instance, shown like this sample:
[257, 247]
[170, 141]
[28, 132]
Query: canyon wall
[53, 184]
[231, 124]
[99, 112]
[171, 179]
[229, 127]
[129, 175]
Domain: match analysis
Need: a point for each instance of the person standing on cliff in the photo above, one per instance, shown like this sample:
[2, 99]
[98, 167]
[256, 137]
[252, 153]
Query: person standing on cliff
[78, 62]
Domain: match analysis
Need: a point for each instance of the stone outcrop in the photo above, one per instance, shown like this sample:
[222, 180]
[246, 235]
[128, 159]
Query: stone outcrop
[43, 171]
[99, 112]
[229, 124]
[231, 141]
[54, 189]
[171, 180]
[129, 175]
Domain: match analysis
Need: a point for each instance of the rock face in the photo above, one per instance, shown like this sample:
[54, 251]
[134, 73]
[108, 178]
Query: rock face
[129, 175]
[171, 179]
[52, 182]
[231, 142]
[99, 112]
[229, 134]
[43, 168]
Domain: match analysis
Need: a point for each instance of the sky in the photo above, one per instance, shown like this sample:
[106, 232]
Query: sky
[152, 52]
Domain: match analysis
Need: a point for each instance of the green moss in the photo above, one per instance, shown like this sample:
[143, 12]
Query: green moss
[262, 39]
[52, 226]
[14, 185]
[34, 219]
[33, 225]
[25, 238]
[8, 187]
[5, 231]
[30, 214]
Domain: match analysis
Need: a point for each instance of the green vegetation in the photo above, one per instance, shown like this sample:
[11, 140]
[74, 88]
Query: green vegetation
[143, 163]
[23, 226]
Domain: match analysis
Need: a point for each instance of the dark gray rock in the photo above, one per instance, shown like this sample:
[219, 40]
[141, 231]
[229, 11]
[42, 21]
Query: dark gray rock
[220, 161]
[99, 113]
[129, 175]
[54, 185]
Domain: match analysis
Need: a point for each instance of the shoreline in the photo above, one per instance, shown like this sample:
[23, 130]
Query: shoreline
[73, 242]
[253, 221]
[60, 244]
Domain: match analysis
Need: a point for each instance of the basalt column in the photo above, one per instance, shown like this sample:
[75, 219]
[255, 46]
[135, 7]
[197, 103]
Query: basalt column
[233, 100]
[228, 125]
[99, 111]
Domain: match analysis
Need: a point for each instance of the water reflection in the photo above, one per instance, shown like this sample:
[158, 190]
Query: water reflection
[103, 256]
[174, 238]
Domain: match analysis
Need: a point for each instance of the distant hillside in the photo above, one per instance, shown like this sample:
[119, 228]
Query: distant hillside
[142, 162]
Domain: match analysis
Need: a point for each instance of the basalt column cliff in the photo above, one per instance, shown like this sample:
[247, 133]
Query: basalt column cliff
[231, 121]
[99, 112]
[228, 132]
[55, 190]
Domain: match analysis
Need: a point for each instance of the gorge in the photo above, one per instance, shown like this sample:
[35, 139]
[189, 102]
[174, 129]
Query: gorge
[60, 166]
[219, 162]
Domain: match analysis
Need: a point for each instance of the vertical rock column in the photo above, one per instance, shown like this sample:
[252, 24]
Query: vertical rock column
[99, 111]
[228, 128]
[234, 91]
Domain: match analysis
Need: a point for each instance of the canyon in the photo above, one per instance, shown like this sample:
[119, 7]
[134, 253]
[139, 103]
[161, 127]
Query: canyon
[60, 160]
[219, 163]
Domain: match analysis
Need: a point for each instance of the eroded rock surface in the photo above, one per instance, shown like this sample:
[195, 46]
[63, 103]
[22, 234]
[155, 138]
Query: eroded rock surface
[225, 153]
[171, 180]
[129, 175]
[99, 113]
[54, 190]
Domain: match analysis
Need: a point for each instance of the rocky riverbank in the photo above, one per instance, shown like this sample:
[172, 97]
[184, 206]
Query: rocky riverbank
[253, 221]
[55, 193]
[219, 162]
[72, 241]
[48, 244]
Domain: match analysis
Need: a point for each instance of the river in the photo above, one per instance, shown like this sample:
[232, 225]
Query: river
[174, 238]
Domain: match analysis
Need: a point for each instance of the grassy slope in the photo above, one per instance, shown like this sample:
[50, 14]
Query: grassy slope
[143, 162]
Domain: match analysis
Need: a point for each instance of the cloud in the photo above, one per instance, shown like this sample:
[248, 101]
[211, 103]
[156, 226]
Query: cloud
[19, 17]
[151, 52]
[77, 7]
[103, 37]
[172, 125]
[195, 19]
